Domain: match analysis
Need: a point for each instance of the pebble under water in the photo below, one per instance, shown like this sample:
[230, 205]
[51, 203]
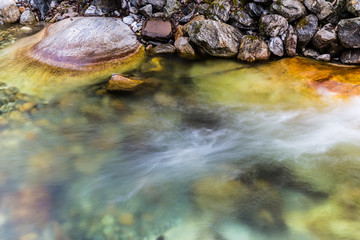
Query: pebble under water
[210, 149]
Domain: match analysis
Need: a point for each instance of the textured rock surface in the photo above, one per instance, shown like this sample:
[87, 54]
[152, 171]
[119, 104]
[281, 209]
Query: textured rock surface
[353, 6]
[156, 4]
[306, 29]
[82, 42]
[184, 48]
[290, 42]
[273, 25]
[351, 56]
[349, 32]
[219, 10]
[120, 83]
[253, 49]
[9, 12]
[215, 38]
[27, 17]
[241, 19]
[291, 9]
[324, 37]
[276, 46]
[321, 8]
[163, 49]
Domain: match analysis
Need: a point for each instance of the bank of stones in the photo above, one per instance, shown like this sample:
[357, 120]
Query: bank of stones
[216, 28]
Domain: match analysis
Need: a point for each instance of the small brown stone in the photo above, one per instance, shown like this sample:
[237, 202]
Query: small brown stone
[22, 9]
[120, 83]
[179, 32]
[157, 29]
[163, 49]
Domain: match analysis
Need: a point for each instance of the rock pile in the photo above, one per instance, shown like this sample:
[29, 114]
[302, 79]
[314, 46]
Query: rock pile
[249, 29]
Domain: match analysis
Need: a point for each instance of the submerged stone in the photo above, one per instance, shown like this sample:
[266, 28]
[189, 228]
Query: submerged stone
[120, 83]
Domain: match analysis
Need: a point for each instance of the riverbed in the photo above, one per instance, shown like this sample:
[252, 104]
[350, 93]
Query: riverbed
[207, 149]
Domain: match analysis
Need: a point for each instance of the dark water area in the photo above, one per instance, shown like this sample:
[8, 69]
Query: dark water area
[210, 149]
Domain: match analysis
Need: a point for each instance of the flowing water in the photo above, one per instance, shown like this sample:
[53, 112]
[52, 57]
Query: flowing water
[208, 149]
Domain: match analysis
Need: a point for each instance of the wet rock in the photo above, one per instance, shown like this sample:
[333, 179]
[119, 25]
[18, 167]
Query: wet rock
[273, 25]
[163, 49]
[321, 8]
[219, 10]
[120, 83]
[215, 38]
[276, 46]
[79, 43]
[290, 42]
[350, 56]
[324, 37]
[9, 12]
[291, 9]
[349, 32]
[353, 6]
[27, 17]
[256, 10]
[306, 29]
[126, 219]
[241, 19]
[157, 5]
[253, 49]
[184, 48]
[147, 10]
[171, 7]
[324, 57]
[311, 53]
[157, 29]
[43, 6]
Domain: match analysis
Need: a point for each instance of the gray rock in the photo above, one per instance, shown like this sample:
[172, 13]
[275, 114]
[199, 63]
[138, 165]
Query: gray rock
[157, 5]
[128, 20]
[215, 38]
[311, 53]
[266, 2]
[27, 17]
[321, 8]
[253, 49]
[42, 5]
[350, 56]
[105, 6]
[324, 57]
[184, 48]
[163, 49]
[83, 42]
[202, 9]
[9, 12]
[171, 7]
[349, 32]
[256, 10]
[273, 25]
[306, 29]
[242, 19]
[353, 6]
[291, 9]
[134, 10]
[290, 42]
[147, 10]
[94, 11]
[276, 46]
[219, 10]
[324, 37]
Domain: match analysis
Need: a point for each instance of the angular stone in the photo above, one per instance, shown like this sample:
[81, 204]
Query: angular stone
[219, 10]
[290, 9]
[321, 8]
[256, 10]
[324, 57]
[276, 46]
[253, 49]
[184, 48]
[120, 83]
[171, 7]
[157, 29]
[215, 38]
[349, 32]
[9, 12]
[83, 42]
[157, 5]
[147, 10]
[311, 53]
[242, 20]
[306, 29]
[351, 56]
[27, 17]
[324, 37]
[163, 49]
[290, 42]
[273, 25]
[353, 6]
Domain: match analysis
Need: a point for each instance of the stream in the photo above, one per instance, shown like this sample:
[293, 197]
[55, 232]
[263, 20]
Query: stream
[208, 150]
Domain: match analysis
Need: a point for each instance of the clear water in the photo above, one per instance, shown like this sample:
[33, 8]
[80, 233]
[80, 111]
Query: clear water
[210, 149]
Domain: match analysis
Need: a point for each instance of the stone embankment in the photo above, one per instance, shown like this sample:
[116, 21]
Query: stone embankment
[325, 30]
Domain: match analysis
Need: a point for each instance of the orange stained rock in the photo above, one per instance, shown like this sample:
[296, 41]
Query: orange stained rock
[120, 83]
[340, 79]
